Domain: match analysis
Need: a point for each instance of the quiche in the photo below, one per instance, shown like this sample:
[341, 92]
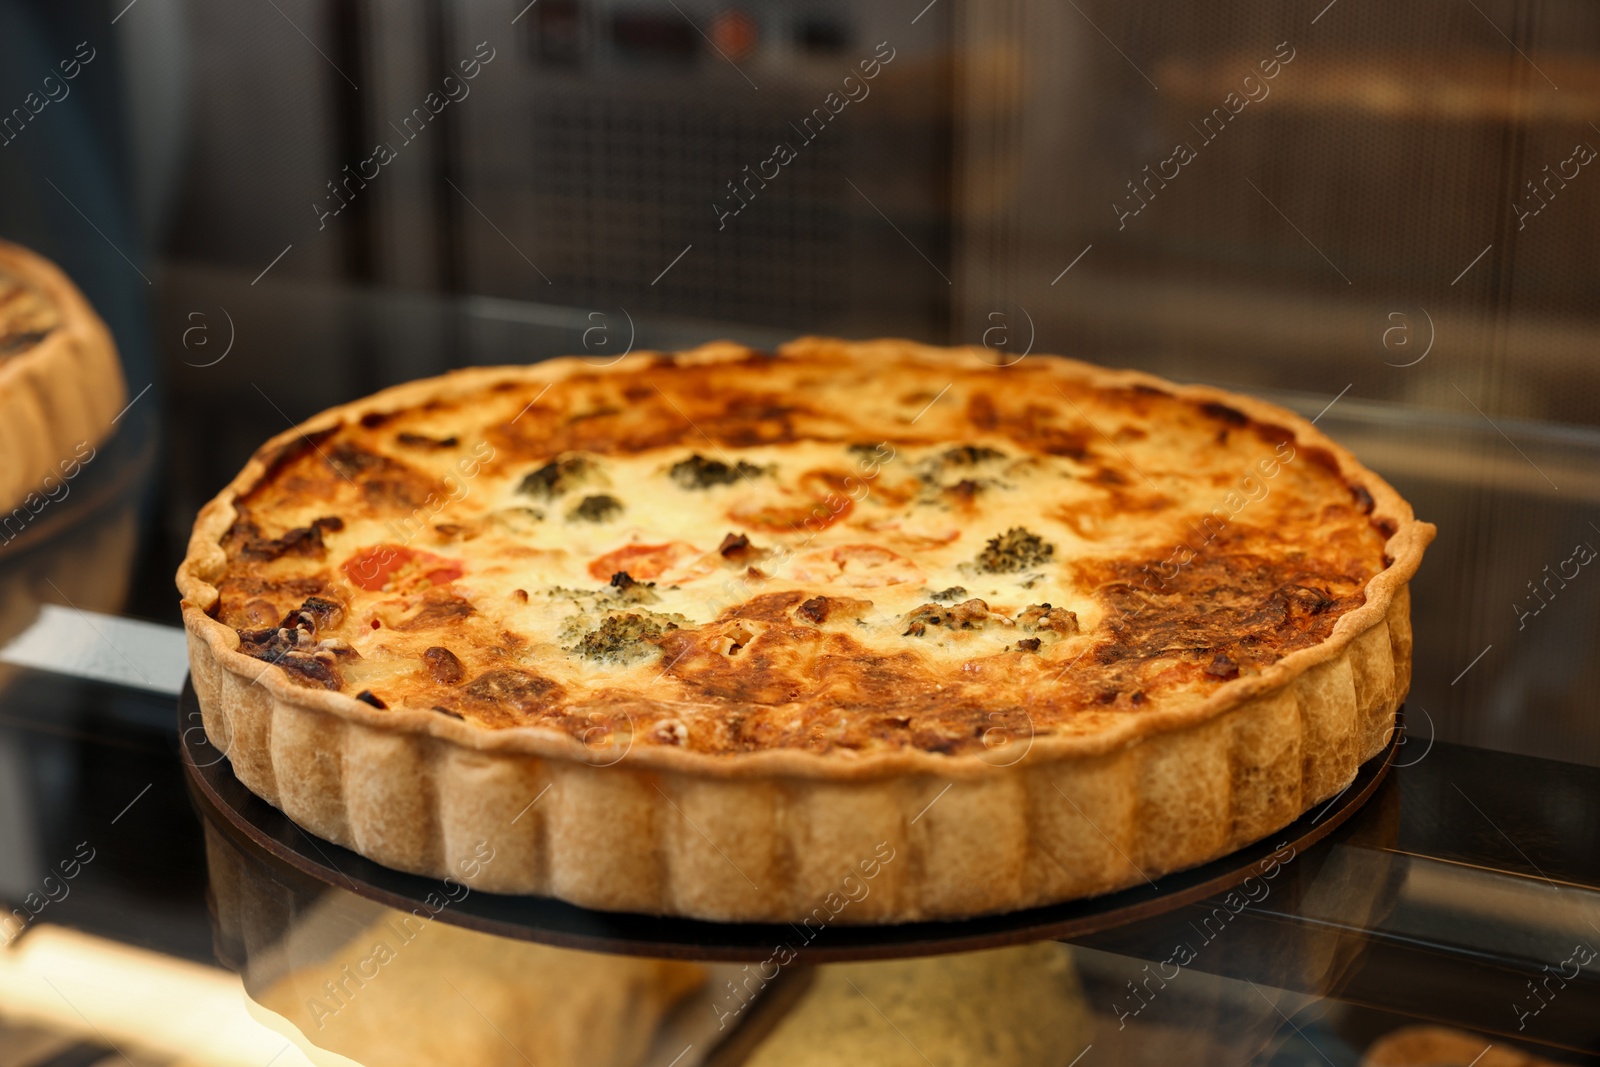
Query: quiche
[60, 385]
[846, 633]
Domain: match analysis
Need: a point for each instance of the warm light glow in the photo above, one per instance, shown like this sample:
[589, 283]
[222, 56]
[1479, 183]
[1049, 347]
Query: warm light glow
[103, 991]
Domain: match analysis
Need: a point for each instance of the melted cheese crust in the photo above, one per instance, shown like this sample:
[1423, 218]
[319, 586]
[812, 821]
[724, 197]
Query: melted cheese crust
[819, 550]
[26, 316]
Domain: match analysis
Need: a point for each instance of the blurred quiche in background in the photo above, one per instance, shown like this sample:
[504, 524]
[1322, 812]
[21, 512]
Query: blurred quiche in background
[60, 383]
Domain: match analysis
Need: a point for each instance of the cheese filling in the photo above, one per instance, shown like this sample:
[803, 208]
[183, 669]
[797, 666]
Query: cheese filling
[785, 553]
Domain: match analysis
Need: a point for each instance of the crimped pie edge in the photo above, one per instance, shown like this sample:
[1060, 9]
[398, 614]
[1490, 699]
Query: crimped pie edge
[766, 836]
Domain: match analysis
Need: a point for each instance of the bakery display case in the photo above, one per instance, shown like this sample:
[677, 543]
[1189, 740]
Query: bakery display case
[1456, 904]
[1280, 201]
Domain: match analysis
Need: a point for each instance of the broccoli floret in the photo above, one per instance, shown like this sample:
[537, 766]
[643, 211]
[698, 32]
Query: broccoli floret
[556, 477]
[597, 508]
[1015, 550]
[626, 589]
[698, 472]
[624, 638]
[951, 595]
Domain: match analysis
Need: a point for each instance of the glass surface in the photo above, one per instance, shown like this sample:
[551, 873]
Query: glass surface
[1447, 901]
[1381, 217]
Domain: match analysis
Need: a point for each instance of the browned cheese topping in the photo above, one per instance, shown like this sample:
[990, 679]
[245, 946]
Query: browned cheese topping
[804, 551]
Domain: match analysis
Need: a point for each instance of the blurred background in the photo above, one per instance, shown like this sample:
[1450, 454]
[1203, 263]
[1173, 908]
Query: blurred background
[1385, 216]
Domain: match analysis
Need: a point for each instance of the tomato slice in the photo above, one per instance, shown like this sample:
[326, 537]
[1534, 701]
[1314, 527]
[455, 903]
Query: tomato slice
[894, 530]
[795, 519]
[859, 566]
[370, 568]
[822, 499]
[642, 562]
[441, 575]
[377, 568]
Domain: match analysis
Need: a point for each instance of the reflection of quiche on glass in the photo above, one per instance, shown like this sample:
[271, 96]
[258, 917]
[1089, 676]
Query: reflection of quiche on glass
[721, 628]
[407, 992]
[60, 385]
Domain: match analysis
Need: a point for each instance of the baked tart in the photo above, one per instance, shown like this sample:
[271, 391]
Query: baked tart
[871, 632]
[60, 385]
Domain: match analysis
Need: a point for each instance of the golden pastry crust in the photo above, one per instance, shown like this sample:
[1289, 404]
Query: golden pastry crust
[60, 382]
[1192, 624]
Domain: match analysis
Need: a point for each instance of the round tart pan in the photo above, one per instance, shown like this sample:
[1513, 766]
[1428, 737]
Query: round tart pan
[261, 828]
